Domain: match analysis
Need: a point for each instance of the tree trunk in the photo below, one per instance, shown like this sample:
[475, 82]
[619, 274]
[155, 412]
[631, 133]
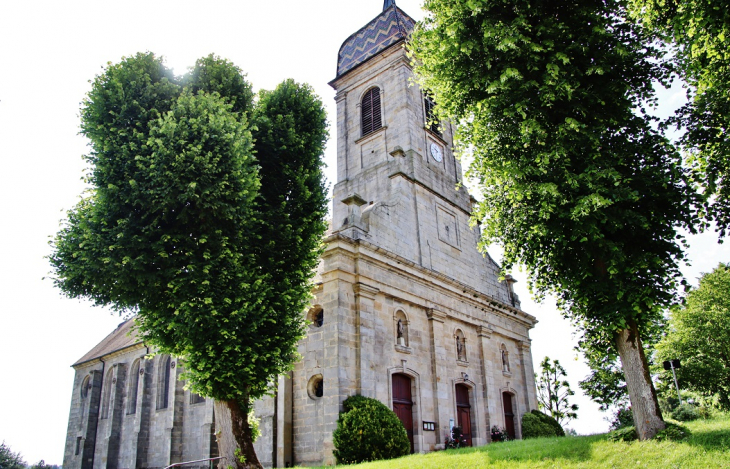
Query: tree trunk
[644, 404]
[234, 436]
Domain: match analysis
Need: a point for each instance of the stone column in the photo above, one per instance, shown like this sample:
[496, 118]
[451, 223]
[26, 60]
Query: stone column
[440, 366]
[488, 384]
[365, 301]
[528, 375]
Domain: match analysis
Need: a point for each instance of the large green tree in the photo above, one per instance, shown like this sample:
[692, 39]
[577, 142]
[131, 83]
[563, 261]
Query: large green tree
[209, 236]
[699, 335]
[577, 184]
[698, 33]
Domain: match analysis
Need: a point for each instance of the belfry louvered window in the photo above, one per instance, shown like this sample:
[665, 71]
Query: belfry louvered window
[431, 123]
[371, 120]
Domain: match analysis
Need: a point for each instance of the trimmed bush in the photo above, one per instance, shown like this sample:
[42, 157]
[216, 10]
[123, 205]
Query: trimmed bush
[685, 413]
[549, 420]
[368, 431]
[533, 427]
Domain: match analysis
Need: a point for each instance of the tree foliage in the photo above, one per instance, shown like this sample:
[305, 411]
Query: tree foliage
[553, 391]
[577, 183]
[209, 236]
[698, 32]
[10, 459]
[699, 336]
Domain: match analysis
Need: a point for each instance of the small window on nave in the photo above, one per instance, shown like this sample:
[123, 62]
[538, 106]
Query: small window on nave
[106, 394]
[133, 387]
[370, 111]
[163, 382]
[85, 385]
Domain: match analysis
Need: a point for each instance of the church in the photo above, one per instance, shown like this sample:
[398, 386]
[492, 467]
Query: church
[406, 309]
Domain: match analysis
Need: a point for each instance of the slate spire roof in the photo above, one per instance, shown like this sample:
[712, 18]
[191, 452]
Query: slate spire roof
[389, 27]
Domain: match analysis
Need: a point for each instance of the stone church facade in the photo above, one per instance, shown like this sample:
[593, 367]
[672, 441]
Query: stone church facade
[406, 309]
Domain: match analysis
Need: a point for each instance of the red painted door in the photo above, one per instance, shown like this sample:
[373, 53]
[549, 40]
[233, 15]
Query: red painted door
[463, 411]
[509, 416]
[403, 403]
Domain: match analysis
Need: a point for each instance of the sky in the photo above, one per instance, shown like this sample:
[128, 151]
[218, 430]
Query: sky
[49, 51]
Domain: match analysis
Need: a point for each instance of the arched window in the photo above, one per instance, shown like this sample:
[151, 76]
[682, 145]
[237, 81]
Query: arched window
[370, 108]
[401, 329]
[85, 385]
[133, 387]
[505, 358]
[460, 345]
[163, 382]
[431, 122]
[106, 394]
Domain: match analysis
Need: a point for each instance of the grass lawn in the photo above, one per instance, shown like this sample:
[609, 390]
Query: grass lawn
[709, 447]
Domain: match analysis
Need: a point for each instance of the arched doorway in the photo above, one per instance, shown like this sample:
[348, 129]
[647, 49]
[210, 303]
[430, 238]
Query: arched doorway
[509, 415]
[403, 403]
[463, 411]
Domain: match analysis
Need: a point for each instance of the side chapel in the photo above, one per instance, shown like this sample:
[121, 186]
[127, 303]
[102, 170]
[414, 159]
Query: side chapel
[406, 309]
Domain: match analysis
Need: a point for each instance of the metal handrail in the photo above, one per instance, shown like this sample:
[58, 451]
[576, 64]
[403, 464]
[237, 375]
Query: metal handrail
[197, 460]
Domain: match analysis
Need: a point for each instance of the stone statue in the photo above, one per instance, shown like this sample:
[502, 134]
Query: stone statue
[400, 328]
[459, 348]
[505, 361]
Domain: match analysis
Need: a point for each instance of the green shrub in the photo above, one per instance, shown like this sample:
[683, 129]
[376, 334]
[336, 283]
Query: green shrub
[533, 427]
[549, 420]
[685, 413]
[368, 431]
[622, 418]
[623, 434]
[674, 432]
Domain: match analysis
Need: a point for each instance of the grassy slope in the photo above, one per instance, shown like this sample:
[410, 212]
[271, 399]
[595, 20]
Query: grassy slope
[709, 447]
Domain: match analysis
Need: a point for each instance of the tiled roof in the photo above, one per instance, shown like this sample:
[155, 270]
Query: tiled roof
[122, 337]
[389, 27]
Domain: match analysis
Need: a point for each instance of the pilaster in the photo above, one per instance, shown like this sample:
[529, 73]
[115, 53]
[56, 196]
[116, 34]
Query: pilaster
[441, 391]
[365, 301]
[484, 335]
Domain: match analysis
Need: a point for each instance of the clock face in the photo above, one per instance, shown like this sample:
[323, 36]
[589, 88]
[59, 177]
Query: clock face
[436, 152]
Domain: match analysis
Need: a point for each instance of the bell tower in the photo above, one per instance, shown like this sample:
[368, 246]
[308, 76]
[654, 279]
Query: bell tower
[397, 176]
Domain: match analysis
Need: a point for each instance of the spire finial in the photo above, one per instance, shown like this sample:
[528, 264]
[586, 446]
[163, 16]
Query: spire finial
[387, 4]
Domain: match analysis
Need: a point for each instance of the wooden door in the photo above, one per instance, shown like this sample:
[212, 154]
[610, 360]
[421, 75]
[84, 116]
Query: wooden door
[463, 411]
[403, 403]
[509, 416]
